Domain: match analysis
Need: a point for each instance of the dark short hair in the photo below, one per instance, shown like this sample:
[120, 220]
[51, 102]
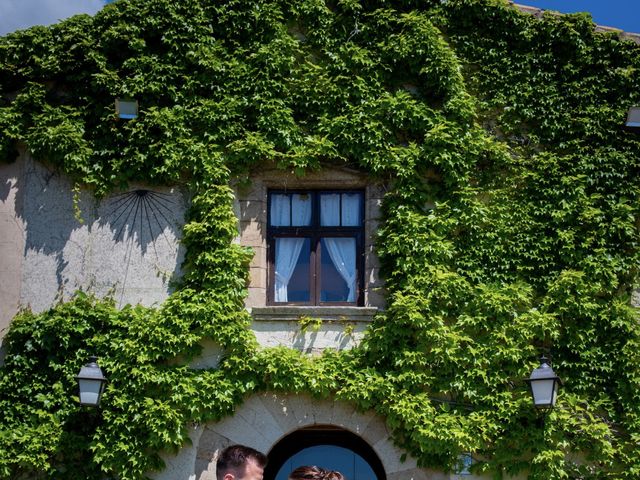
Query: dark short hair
[315, 473]
[235, 458]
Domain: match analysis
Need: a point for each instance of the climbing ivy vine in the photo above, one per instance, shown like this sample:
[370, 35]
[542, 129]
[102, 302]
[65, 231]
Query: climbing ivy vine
[510, 225]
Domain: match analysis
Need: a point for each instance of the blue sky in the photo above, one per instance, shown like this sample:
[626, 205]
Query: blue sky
[19, 14]
[622, 14]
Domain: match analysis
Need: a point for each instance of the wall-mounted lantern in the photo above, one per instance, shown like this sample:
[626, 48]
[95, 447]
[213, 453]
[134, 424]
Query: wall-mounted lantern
[544, 385]
[465, 462]
[126, 108]
[633, 118]
[91, 383]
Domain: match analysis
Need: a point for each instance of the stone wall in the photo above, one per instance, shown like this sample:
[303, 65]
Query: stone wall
[264, 419]
[251, 209]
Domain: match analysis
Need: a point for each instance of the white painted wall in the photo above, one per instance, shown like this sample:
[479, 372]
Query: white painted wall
[51, 245]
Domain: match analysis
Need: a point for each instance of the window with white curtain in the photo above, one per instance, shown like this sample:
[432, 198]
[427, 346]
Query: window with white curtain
[315, 247]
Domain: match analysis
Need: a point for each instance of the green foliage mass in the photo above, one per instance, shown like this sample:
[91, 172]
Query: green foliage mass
[510, 224]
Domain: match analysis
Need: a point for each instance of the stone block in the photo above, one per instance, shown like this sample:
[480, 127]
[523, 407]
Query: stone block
[376, 431]
[373, 279]
[342, 415]
[375, 297]
[253, 234]
[256, 297]
[258, 278]
[276, 334]
[373, 210]
[239, 430]
[633, 37]
[375, 191]
[325, 178]
[372, 260]
[259, 259]
[256, 414]
[279, 406]
[292, 313]
[254, 190]
[204, 470]
[536, 12]
[298, 412]
[322, 412]
[181, 466]
[209, 357]
[253, 210]
[209, 443]
[360, 421]
[390, 457]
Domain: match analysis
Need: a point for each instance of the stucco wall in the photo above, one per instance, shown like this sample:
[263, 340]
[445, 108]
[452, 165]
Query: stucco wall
[52, 244]
[12, 242]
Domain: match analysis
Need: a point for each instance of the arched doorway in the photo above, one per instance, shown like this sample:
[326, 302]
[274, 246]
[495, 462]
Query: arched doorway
[328, 447]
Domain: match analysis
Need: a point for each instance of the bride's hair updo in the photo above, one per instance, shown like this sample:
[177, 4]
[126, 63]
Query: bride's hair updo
[315, 473]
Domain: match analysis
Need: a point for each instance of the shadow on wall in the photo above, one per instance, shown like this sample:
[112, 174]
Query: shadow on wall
[126, 245]
[316, 339]
[5, 188]
[142, 217]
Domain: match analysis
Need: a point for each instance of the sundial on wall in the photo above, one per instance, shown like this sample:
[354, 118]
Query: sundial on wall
[142, 253]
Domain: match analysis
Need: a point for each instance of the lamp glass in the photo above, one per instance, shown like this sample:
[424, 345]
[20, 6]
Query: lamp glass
[90, 391]
[126, 108]
[633, 117]
[91, 383]
[544, 392]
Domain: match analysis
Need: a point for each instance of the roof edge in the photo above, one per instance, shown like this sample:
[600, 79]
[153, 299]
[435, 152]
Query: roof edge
[537, 12]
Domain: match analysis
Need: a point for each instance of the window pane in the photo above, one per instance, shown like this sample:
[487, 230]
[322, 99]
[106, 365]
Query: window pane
[292, 270]
[301, 209]
[351, 208]
[332, 205]
[280, 211]
[330, 209]
[338, 270]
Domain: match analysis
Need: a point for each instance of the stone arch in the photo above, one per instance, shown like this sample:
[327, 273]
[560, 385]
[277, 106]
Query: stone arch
[264, 419]
[316, 438]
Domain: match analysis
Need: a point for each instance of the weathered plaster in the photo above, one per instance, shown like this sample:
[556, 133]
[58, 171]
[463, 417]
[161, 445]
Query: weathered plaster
[12, 242]
[329, 327]
[124, 245]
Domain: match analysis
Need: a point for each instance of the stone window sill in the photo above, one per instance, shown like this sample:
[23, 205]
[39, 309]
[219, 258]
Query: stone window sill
[329, 314]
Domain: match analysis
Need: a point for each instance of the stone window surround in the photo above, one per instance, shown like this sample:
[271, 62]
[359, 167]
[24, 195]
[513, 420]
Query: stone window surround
[251, 209]
[313, 234]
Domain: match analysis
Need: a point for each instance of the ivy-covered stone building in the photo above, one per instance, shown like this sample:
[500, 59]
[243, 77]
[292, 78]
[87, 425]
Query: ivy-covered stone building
[338, 232]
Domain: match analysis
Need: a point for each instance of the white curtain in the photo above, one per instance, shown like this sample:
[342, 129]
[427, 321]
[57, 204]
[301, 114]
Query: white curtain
[282, 214]
[330, 209]
[350, 209]
[301, 204]
[287, 254]
[343, 255]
